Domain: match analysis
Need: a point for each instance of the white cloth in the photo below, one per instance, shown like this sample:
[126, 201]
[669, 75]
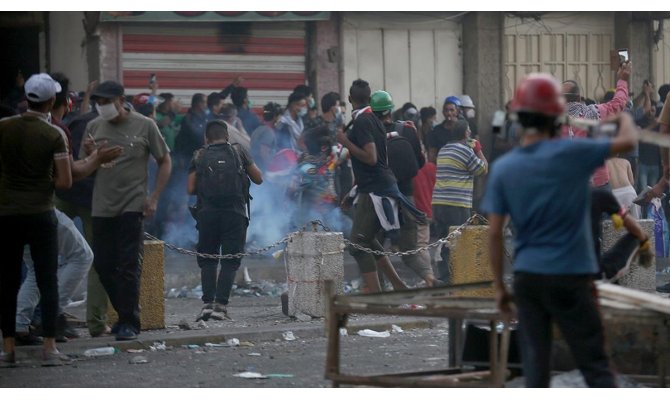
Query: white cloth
[379, 210]
[625, 196]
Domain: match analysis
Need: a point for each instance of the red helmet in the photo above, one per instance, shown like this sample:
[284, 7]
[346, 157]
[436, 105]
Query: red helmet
[539, 93]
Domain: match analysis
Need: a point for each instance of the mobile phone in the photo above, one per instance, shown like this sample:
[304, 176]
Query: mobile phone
[152, 79]
[623, 55]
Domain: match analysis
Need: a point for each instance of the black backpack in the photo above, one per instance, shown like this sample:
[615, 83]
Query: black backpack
[221, 177]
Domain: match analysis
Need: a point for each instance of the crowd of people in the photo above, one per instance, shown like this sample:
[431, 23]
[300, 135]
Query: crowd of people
[392, 173]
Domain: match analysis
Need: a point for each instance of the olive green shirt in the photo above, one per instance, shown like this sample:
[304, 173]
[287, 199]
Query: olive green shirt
[28, 147]
[121, 185]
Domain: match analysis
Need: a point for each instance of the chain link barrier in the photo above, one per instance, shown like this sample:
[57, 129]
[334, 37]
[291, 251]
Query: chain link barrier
[442, 241]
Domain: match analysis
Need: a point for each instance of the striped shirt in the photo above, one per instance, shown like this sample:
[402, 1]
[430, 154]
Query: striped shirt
[457, 165]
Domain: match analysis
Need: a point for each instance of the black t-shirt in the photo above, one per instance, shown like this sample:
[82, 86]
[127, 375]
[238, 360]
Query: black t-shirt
[438, 137]
[408, 131]
[367, 128]
[602, 202]
[403, 158]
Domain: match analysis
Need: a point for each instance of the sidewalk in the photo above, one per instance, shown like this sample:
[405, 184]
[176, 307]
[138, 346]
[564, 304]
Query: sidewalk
[255, 319]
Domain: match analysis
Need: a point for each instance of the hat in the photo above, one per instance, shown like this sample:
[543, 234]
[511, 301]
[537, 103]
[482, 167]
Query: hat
[466, 101]
[108, 90]
[41, 87]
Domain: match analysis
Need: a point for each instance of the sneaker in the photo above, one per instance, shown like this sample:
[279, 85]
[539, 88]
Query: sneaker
[64, 329]
[54, 359]
[664, 288]
[616, 261]
[205, 312]
[8, 360]
[126, 332]
[220, 313]
[27, 339]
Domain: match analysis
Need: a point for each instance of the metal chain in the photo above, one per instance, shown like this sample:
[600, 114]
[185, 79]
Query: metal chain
[347, 242]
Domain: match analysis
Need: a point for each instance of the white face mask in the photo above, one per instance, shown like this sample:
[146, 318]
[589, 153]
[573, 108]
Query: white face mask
[108, 111]
[302, 112]
[470, 113]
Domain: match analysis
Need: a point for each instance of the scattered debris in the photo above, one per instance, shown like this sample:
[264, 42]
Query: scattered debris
[371, 333]
[343, 332]
[246, 344]
[190, 346]
[138, 360]
[279, 375]
[185, 325]
[303, 317]
[234, 342]
[217, 345]
[254, 354]
[251, 375]
[201, 325]
[101, 351]
[288, 335]
[135, 350]
[158, 346]
[396, 329]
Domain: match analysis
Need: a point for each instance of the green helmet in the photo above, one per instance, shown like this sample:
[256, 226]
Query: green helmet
[381, 101]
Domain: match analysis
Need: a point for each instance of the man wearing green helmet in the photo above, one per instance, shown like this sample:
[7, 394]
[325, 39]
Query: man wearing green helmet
[405, 160]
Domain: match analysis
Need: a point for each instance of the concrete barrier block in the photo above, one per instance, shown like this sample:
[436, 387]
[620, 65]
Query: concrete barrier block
[152, 301]
[469, 259]
[312, 258]
[638, 277]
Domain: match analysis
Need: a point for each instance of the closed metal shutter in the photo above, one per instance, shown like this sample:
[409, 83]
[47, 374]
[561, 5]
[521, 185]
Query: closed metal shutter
[568, 45]
[206, 57]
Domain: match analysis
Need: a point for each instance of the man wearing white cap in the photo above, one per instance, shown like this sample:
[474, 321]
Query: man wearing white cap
[33, 160]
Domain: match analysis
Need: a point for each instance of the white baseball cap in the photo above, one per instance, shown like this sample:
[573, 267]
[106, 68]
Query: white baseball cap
[466, 101]
[41, 87]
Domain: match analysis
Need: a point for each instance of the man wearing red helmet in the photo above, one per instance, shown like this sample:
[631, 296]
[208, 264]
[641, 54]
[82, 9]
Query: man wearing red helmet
[544, 187]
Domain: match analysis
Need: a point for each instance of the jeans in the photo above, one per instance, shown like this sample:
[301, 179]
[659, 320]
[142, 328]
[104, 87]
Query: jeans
[446, 217]
[570, 301]
[118, 247]
[75, 259]
[39, 232]
[219, 232]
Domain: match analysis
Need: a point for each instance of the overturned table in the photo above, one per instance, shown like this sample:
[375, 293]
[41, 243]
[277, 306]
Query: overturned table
[447, 302]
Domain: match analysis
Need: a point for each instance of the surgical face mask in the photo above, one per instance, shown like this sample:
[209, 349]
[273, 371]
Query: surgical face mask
[302, 112]
[312, 103]
[470, 113]
[250, 103]
[338, 116]
[108, 111]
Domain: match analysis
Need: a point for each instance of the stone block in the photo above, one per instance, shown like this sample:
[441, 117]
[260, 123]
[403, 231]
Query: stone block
[469, 259]
[313, 258]
[152, 282]
[638, 277]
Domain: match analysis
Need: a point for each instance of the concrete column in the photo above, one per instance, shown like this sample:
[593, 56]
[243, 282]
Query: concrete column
[636, 36]
[324, 57]
[483, 68]
[110, 52]
[312, 258]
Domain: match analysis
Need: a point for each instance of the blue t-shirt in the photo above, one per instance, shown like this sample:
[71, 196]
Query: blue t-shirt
[544, 188]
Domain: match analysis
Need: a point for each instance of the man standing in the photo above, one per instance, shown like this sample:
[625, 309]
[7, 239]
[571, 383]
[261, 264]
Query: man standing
[120, 201]
[290, 127]
[544, 187]
[240, 98]
[458, 162]
[219, 175]
[576, 108]
[442, 133]
[33, 160]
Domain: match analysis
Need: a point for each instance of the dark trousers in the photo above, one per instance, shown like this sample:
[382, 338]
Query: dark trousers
[220, 232]
[446, 217]
[570, 301]
[40, 232]
[118, 247]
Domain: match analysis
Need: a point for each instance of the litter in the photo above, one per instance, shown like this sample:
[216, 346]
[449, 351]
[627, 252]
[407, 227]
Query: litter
[396, 329]
[158, 346]
[279, 375]
[135, 350]
[101, 351]
[234, 342]
[343, 332]
[217, 345]
[138, 360]
[247, 344]
[251, 375]
[190, 346]
[288, 335]
[371, 333]
[254, 354]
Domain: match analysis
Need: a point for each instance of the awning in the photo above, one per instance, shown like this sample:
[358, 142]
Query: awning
[212, 16]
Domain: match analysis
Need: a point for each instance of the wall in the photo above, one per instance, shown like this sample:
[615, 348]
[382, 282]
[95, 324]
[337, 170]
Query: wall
[67, 55]
[661, 56]
[324, 57]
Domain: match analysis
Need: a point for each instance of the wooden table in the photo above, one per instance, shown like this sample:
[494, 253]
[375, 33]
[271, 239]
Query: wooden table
[433, 302]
